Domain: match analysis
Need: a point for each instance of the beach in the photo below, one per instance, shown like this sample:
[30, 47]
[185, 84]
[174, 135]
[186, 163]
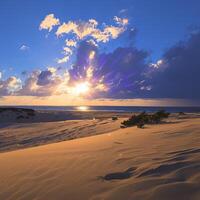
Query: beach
[89, 157]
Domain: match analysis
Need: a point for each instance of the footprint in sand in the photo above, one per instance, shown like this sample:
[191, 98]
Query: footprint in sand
[118, 142]
[185, 152]
[164, 169]
[119, 175]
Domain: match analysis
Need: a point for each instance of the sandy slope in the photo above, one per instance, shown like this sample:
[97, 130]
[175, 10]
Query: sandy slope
[13, 115]
[22, 135]
[158, 162]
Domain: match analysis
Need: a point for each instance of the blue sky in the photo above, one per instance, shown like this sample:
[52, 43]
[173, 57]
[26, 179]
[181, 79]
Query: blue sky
[159, 25]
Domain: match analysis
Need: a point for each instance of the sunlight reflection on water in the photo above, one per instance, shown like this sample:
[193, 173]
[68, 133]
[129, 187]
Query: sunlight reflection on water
[83, 108]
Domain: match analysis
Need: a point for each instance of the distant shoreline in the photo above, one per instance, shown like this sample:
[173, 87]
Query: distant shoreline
[171, 109]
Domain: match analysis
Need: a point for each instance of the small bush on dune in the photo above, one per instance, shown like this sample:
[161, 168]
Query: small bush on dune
[181, 113]
[114, 118]
[135, 120]
[140, 125]
[143, 118]
[159, 116]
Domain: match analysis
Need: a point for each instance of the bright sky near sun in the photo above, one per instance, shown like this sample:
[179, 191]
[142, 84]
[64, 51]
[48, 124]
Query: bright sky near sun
[97, 52]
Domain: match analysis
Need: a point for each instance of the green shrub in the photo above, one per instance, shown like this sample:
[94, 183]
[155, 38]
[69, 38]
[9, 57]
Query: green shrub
[181, 113]
[114, 118]
[143, 118]
[159, 116]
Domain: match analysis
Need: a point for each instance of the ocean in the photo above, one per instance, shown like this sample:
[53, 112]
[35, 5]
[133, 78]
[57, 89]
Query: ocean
[115, 108]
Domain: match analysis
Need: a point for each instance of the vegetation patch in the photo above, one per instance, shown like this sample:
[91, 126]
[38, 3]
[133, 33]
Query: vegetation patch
[144, 118]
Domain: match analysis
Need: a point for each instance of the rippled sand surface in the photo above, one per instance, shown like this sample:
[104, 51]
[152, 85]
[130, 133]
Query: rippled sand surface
[154, 163]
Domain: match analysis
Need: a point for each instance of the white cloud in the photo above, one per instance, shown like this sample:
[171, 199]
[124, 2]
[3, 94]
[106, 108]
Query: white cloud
[63, 60]
[10, 86]
[80, 29]
[114, 31]
[121, 21]
[24, 47]
[52, 69]
[67, 51]
[108, 33]
[122, 11]
[90, 30]
[100, 36]
[13, 84]
[92, 42]
[158, 64]
[70, 43]
[45, 83]
[66, 28]
[94, 22]
[83, 29]
[148, 88]
[48, 22]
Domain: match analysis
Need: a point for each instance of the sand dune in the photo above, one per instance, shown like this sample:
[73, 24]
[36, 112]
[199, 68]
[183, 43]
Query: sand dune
[22, 135]
[12, 115]
[154, 163]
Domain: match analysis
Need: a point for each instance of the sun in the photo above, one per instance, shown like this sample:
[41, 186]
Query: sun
[81, 88]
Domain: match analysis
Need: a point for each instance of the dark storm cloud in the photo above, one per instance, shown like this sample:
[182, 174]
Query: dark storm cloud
[44, 78]
[128, 75]
[40, 83]
[123, 70]
[78, 71]
[181, 75]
